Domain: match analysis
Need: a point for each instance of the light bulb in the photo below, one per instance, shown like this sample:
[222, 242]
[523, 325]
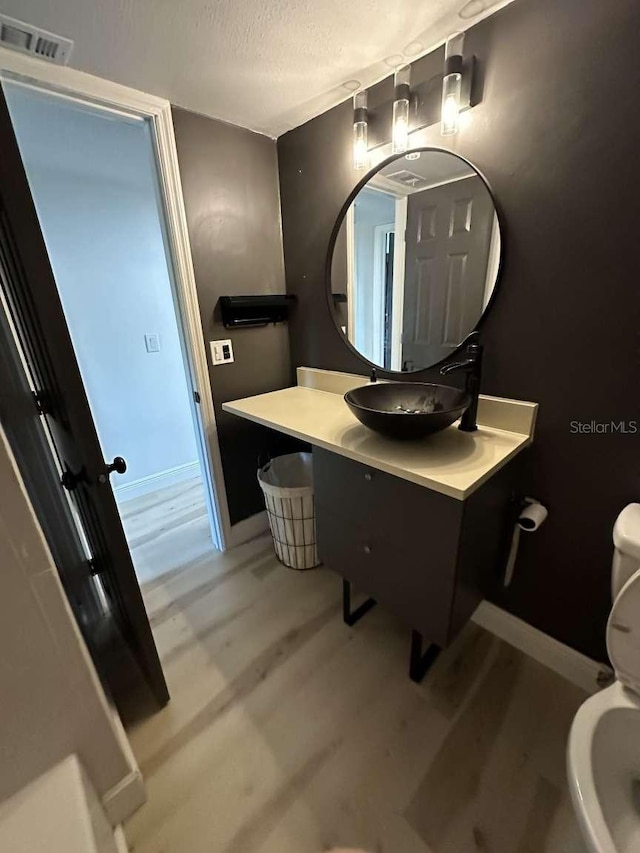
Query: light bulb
[400, 126]
[360, 152]
[451, 87]
[360, 131]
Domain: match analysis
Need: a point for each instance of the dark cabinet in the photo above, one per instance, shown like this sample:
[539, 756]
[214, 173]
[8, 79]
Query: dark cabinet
[428, 558]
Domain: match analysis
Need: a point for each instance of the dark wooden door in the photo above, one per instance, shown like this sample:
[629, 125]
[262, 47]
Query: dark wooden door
[447, 247]
[36, 312]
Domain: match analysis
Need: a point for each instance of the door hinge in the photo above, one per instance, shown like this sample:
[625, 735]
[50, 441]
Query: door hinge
[39, 397]
[196, 396]
[70, 480]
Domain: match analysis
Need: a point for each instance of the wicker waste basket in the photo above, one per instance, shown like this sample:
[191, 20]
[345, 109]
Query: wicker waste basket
[287, 485]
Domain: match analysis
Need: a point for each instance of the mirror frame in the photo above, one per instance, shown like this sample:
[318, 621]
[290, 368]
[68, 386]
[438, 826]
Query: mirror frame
[334, 237]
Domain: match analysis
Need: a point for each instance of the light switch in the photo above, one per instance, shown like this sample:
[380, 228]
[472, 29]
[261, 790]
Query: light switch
[221, 352]
[152, 342]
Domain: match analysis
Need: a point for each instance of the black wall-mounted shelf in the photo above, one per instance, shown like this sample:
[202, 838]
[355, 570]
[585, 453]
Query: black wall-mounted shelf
[246, 311]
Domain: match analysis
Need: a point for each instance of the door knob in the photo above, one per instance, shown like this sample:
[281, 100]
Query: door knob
[118, 465]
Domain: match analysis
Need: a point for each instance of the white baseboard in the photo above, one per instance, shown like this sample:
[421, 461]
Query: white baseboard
[127, 795]
[574, 666]
[248, 529]
[144, 485]
[125, 798]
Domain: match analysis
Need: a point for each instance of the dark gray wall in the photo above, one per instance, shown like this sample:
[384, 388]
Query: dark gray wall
[230, 185]
[556, 134]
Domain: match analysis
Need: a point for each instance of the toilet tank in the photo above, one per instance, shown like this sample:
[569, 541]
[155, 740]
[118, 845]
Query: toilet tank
[626, 543]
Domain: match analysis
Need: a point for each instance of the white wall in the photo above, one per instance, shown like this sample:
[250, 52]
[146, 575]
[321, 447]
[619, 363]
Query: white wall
[94, 187]
[51, 702]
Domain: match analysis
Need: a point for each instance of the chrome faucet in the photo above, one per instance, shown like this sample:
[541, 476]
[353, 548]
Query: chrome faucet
[472, 366]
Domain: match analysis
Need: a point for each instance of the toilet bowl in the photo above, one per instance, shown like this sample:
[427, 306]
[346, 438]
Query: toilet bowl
[603, 758]
[603, 752]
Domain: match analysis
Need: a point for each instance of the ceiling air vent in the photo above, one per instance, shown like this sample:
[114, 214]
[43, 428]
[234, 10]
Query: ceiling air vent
[36, 42]
[404, 176]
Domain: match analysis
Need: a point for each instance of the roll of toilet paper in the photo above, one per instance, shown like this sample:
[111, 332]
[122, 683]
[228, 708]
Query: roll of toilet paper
[532, 515]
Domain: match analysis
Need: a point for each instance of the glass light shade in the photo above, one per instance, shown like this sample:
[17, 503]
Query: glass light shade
[360, 100]
[400, 123]
[454, 45]
[360, 145]
[452, 84]
[400, 140]
[451, 89]
[360, 131]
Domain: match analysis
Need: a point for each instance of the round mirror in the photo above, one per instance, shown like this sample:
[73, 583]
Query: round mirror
[414, 259]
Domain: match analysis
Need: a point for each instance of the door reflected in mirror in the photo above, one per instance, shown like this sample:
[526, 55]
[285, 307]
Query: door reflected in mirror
[415, 260]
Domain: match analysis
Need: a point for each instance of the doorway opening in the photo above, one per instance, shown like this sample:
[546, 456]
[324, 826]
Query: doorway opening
[93, 178]
[373, 223]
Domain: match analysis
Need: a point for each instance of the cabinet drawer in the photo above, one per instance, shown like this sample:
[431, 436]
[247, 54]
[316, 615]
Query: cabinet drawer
[382, 502]
[415, 583]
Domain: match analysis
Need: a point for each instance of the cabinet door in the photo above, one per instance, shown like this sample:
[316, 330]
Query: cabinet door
[427, 558]
[411, 575]
[375, 499]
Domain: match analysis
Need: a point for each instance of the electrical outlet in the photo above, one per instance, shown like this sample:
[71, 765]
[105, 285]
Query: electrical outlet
[152, 343]
[221, 352]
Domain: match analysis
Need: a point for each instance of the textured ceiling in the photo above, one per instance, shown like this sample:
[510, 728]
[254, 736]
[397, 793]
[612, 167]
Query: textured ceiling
[268, 65]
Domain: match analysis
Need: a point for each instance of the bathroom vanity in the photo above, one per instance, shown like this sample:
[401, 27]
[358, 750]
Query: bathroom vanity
[421, 527]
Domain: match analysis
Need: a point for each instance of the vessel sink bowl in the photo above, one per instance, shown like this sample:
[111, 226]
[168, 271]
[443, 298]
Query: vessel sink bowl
[407, 410]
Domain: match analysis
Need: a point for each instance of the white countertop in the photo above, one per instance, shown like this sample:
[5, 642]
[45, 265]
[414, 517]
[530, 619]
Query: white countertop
[451, 462]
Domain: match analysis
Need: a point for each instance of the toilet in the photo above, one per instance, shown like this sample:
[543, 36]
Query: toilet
[603, 752]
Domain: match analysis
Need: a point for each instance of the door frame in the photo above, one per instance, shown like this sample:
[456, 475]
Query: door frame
[380, 234]
[80, 86]
[399, 254]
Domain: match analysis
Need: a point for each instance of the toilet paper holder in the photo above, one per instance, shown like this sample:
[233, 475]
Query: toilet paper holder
[531, 515]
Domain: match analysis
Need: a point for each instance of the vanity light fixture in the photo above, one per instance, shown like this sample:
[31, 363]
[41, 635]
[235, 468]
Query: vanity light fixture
[360, 136]
[402, 90]
[452, 84]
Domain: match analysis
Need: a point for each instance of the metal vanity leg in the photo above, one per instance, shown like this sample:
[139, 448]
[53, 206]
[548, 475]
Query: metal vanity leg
[350, 617]
[421, 661]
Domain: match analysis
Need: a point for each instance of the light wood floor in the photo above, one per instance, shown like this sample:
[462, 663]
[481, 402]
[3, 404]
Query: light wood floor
[166, 529]
[290, 733]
